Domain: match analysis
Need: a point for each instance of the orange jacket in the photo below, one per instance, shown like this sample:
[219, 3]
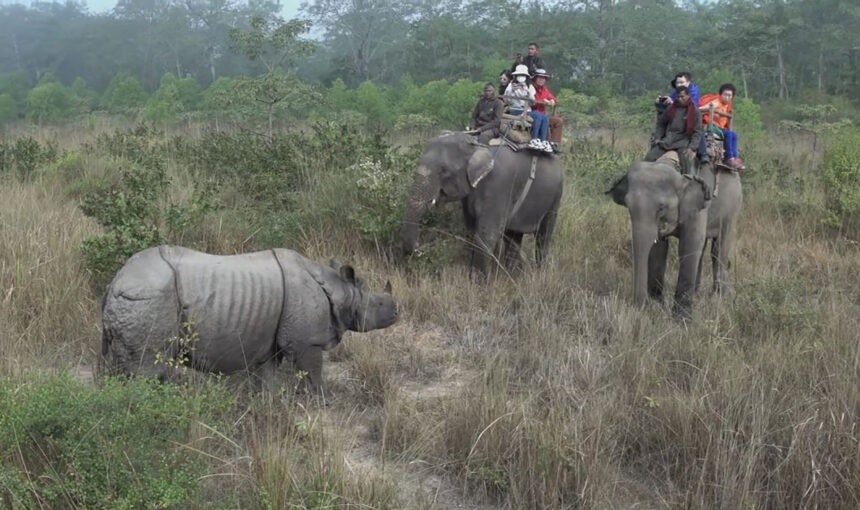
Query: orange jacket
[720, 121]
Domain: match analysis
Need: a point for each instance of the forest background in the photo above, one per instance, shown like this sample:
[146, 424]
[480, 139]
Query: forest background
[419, 62]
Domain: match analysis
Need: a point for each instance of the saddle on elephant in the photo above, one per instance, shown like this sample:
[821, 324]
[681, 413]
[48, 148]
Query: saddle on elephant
[517, 128]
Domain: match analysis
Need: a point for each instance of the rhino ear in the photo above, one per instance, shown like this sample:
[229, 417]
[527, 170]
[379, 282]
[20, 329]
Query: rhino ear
[335, 264]
[388, 287]
[347, 273]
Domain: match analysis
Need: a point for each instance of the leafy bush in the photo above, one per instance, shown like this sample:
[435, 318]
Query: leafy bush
[124, 94]
[24, 156]
[173, 97]
[747, 120]
[129, 211]
[841, 174]
[84, 98]
[263, 170]
[371, 100]
[382, 186]
[49, 101]
[64, 444]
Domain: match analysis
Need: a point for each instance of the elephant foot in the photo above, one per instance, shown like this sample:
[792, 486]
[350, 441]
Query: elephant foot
[656, 295]
[723, 290]
[682, 312]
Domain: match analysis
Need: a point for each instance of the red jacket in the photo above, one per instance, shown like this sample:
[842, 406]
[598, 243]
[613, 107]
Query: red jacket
[542, 94]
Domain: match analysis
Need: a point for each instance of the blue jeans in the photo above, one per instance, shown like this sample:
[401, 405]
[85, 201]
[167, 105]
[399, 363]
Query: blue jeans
[540, 127]
[731, 142]
[702, 152]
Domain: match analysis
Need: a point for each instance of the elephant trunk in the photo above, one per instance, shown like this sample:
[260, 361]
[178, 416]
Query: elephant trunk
[424, 192]
[644, 236]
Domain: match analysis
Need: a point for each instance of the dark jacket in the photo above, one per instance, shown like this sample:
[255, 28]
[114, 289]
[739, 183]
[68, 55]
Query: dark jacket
[673, 135]
[487, 114]
[533, 63]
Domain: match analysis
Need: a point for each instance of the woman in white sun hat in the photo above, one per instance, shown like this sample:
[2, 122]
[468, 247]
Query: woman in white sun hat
[521, 95]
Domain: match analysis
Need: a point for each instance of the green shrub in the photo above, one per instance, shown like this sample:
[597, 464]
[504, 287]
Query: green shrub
[263, 170]
[382, 187]
[124, 94]
[841, 174]
[126, 444]
[372, 100]
[129, 212]
[84, 98]
[49, 101]
[173, 98]
[24, 156]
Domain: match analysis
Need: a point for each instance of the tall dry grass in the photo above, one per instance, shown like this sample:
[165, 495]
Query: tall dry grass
[546, 389]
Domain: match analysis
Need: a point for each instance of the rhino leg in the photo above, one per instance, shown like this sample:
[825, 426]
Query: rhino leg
[309, 361]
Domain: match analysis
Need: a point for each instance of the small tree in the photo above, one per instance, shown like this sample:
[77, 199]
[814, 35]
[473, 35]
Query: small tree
[124, 94]
[277, 46]
[49, 101]
[173, 97]
[84, 98]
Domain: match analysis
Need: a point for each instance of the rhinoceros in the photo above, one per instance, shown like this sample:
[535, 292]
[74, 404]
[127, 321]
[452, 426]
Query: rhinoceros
[233, 313]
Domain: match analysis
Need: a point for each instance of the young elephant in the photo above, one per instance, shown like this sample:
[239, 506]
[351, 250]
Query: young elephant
[233, 313]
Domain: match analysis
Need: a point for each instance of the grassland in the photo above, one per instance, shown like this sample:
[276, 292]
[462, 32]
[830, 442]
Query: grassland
[547, 389]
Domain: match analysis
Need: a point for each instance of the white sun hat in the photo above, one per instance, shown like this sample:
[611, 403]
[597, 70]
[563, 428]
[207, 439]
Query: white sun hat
[521, 70]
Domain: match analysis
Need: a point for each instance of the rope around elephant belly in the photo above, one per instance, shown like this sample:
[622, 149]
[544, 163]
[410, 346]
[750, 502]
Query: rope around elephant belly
[525, 189]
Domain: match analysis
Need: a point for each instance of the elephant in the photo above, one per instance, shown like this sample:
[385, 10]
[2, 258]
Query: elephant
[662, 202]
[240, 312]
[502, 194]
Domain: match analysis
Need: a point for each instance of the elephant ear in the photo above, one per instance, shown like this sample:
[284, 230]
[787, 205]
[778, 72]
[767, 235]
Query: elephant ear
[480, 165]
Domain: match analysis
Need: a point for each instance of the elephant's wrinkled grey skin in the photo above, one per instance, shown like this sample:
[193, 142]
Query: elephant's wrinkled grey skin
[248, 312]
[488, 181]
[664, 203]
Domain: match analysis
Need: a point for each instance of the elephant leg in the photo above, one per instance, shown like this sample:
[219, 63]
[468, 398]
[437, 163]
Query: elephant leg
[657, 268]
[701, 263]
[484, 245]
[721, 249]
[692, 241]
[513, 244]
[309, 361]
[543, 239]
[468, 218]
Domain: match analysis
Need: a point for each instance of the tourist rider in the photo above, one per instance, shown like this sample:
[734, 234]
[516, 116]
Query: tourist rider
[520, 94]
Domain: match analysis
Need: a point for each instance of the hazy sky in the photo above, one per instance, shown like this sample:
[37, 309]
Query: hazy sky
[290, 7]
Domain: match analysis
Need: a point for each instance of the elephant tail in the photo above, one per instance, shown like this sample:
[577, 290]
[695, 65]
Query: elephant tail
[618, 191]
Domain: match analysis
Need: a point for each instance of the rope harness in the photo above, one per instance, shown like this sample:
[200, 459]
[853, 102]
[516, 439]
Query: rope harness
[526, 189]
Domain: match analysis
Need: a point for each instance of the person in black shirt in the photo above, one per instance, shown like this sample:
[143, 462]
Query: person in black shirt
[532, 60]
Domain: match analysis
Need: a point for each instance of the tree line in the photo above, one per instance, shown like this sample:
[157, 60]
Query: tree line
[778, 49]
